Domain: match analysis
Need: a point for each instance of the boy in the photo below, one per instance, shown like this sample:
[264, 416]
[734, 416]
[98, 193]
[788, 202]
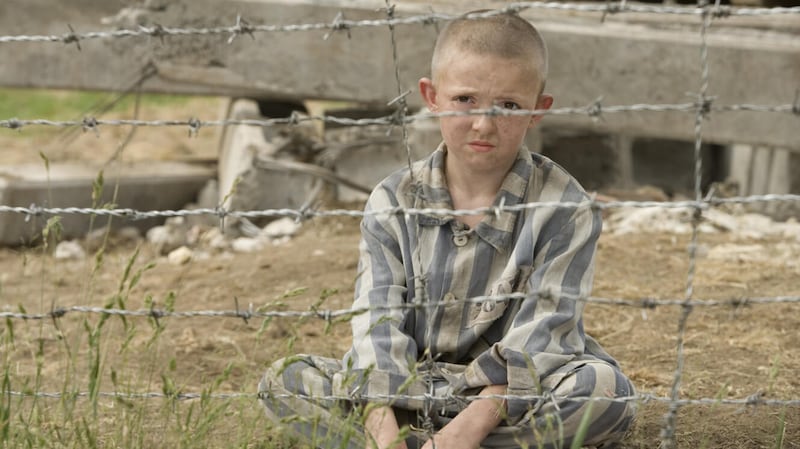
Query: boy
[418, 365]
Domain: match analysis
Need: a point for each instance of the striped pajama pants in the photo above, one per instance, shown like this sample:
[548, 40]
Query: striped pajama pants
[290, 388]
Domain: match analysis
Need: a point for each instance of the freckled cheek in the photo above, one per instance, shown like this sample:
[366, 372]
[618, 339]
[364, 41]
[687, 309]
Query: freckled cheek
[456, 122]
[512, 126]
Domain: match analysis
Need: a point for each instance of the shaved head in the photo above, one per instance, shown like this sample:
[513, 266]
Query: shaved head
[504, 35]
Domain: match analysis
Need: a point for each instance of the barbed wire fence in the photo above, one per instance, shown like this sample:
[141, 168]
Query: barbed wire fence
[702, 108]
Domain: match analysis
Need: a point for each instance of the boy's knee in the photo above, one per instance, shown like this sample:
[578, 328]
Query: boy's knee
[594, 379]
[611, 410]
[613, 418]
[284, 375]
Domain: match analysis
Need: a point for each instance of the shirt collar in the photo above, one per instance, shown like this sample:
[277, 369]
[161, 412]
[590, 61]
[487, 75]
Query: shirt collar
[496, 229]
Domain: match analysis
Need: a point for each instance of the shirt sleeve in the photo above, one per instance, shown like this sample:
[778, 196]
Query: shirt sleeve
[547, 329]
[378, 363]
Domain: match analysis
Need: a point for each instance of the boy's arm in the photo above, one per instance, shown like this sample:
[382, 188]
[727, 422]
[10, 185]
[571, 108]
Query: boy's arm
[382, 430]
[381, 351]
[473, 424]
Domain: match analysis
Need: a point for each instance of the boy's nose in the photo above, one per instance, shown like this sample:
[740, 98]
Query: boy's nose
[483, 123]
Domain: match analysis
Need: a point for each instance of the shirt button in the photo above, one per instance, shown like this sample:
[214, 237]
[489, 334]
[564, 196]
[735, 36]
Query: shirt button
[460, 240]
[449, 297]
[488, 306]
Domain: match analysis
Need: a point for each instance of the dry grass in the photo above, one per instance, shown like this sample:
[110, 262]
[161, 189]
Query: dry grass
[730, 353]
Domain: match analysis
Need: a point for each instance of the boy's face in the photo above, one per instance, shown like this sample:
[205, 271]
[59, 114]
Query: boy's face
[466, 81]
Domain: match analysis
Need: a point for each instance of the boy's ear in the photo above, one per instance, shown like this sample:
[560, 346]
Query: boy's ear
[545, 101]
[428, 93]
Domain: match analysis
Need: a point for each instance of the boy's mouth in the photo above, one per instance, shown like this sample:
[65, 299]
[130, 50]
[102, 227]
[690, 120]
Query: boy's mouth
[480, 146]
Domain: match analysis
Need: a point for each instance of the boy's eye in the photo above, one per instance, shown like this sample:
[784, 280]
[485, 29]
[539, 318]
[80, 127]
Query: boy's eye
[509, 105]
[463, 99]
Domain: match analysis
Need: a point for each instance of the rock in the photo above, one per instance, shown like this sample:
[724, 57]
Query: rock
[97, 237]
[193, 235]
[180, 256]
[207, 198]
[650, 219]
[721, 220]
[170, 236]
[213, 238]
[283, 227]
[247, 180]
[281, 240]
[69, 249]
[129, 234]
[247, 245]
[367, 154]
[740, 253]
[94, 239]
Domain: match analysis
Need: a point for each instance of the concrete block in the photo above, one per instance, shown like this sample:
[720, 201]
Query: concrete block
[760, 170]
[670, 165]
[592, 158]
[141, 186]
[368, 164]
[765, 170]
[251, 176]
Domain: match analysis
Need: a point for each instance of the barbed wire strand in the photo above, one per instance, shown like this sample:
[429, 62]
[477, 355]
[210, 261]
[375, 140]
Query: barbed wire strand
[35, 210]
[593, 110]
[242, 26]
[332, 314]
[703, 101]
[755, 399]
[420, 281]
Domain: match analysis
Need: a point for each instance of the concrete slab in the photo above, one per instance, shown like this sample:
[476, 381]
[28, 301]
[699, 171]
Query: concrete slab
[251, 173]
[142, 186]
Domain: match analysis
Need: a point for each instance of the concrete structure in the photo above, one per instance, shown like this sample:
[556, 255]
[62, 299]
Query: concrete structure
[760, 171]
[150, 186]
[253, 164]
[625, 59]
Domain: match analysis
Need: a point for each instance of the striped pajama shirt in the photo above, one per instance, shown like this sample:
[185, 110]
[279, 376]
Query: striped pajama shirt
[426, 360]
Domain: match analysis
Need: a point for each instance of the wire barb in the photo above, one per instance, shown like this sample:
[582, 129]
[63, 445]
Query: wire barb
[32, 211]
[241, 27]
[246, 315]
[338, 24]
[157, 30]
[194, 126]
[90, 124]
[71, 37]
[595, 110]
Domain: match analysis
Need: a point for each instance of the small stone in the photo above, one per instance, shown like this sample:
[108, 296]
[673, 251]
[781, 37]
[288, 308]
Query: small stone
[280, 241]
[180, 256]
[213, 238]
[283, 227]
[194, 234]
[95, 239]
[166, 238]
[69, 249]
[246, 245]
[129, 234]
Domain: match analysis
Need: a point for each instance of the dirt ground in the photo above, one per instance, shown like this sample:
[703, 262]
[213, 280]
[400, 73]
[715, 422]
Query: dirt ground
[730, 353]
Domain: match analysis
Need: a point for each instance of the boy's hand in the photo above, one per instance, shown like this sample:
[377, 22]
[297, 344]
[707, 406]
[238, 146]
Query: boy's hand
[473, 424]
[444, 441]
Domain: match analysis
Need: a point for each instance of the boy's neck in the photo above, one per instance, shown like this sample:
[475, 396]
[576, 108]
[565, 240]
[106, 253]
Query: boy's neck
[470, 190]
